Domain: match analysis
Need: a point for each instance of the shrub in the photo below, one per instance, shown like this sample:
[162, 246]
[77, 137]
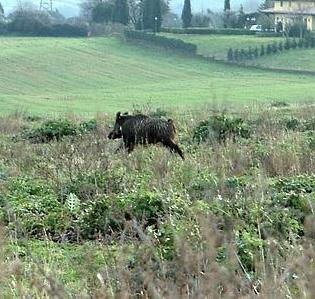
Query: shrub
[236, 55]
[306, 43]
[274, 48]
[243, 55]
[287, 44]
[280, 216]
[221, 127]
[300, 125]
[256, 54]
[230, 55]
[300, 43]
[107, 215]
[294, 44]
[33, 209]
[57, 129]
[279, 104]
[262, 50]
[269, 49]
[280, 47]
[250, 53]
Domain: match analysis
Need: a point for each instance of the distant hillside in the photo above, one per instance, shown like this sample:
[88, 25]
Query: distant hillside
[70, 7]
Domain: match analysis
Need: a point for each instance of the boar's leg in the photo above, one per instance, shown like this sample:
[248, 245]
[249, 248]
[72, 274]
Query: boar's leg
[174, 148]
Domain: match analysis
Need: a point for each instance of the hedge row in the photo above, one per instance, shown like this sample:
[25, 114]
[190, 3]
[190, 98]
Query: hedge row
[169, 43]
[226, 31]
[274, 48]
[36, 28]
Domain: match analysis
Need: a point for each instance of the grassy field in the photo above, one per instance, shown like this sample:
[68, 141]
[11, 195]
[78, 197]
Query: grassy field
[51, 75]
[218, 45]
[79, 220]
[292, 59]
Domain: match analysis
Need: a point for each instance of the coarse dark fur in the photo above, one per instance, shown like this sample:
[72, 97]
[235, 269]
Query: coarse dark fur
[142, 129]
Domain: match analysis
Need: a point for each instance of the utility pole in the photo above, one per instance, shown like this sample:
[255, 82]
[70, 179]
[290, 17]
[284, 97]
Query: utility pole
[46, 5]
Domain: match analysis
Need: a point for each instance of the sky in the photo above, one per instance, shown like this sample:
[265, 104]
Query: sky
[70, 7]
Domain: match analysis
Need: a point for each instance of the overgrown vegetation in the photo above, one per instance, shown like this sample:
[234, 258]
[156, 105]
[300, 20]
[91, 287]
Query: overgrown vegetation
[82, 220]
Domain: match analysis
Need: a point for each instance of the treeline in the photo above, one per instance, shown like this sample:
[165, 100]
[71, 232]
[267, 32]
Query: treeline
[237, 55]
[38, 23]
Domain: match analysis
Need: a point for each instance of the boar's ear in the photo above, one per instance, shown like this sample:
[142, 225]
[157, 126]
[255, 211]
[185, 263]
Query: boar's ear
[126, 113]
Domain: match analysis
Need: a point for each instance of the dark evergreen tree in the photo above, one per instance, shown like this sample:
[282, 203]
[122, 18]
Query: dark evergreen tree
[300, 43]
[241, 18]
[243, 54]
[121, 12]
[250, 53]
[294, 44]
[152, 16]
[186, 14]
[236, 55]
[227, 5]
[256, 53]
[280, 47]
[102, 12]
[287, 44]
[230, 55]
[262, 50]
[1, 9]
[274, 48]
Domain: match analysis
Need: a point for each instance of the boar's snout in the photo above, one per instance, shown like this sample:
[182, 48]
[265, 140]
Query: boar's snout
[115, 135]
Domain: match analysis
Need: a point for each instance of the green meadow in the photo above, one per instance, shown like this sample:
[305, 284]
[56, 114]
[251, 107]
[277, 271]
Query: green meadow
[293, 59]
[57, 75]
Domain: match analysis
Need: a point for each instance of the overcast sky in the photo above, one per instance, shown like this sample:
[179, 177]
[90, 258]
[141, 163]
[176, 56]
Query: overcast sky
[70, 7]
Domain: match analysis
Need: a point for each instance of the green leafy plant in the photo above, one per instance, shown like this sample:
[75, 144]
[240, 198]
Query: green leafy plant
[220, 128]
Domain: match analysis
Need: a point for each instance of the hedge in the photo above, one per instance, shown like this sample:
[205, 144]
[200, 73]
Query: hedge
[165, 42]
[34, 27]
[226, 31]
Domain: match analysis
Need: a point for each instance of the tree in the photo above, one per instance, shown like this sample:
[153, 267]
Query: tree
[103, 12]
[1, 10]
[121, 12]
[241, 17]
[266, 4]
[135, 12]
[266, 22]
[86, 8]
[152, 15]
[230, 54]
[200, 20]
[227, 5]
[186, 14]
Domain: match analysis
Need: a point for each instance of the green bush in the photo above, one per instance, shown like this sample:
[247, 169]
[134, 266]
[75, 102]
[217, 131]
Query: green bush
[57, 129]
[221, 127]
[230, 54]
[108, 214]
[33, 209]
[300, 125]
[280, 216]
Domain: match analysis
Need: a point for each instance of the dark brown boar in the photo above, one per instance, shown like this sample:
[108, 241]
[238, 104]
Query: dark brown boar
[142, 129]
